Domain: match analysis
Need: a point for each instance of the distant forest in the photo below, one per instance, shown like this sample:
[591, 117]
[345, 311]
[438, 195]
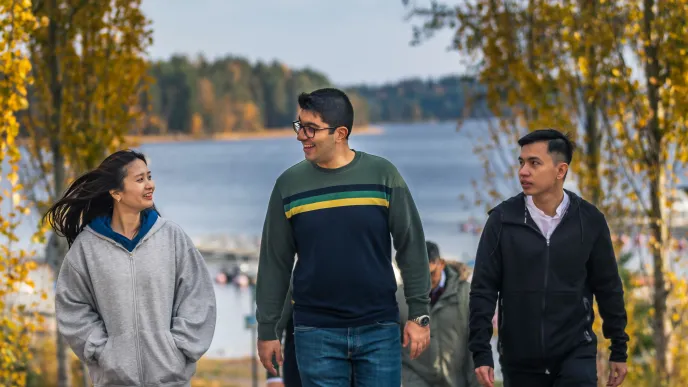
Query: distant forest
[199, 97]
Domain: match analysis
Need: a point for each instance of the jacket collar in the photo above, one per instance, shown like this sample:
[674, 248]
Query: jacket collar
[451, 286]
[514, 211]
[156, 224]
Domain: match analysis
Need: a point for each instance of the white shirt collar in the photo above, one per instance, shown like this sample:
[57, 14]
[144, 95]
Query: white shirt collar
[443, 281]
[560, 209]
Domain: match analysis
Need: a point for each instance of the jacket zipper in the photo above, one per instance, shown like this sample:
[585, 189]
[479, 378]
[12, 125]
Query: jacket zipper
[546, 279]
[544, 307]
[544, 296]
[132, 266]
[136, 315]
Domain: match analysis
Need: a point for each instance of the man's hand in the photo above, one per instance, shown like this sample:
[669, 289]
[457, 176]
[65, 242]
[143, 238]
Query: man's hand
[268, 349]
[617, 373]
[417, 337]
[485, 376]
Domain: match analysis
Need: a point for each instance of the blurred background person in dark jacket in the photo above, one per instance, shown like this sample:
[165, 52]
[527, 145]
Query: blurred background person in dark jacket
[447, 361]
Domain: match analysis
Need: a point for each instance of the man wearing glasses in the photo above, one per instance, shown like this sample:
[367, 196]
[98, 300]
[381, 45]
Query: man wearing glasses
[340, 210]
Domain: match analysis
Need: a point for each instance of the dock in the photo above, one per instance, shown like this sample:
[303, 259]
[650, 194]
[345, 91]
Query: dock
[222, 248]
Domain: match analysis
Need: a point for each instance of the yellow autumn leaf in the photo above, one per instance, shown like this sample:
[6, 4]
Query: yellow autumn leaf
[16, 199]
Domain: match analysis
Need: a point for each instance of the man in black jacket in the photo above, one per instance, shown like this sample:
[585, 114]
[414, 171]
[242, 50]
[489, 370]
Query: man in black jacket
[544, 254]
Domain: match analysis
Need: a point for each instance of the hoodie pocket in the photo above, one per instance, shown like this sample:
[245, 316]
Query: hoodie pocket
[521, 338]
[163, 362]
[118, 363]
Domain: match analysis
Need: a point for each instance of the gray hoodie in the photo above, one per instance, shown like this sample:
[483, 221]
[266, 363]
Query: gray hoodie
[139, 318]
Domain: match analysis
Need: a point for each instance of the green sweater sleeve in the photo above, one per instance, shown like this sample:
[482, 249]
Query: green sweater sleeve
[409, 242]
[277, 250]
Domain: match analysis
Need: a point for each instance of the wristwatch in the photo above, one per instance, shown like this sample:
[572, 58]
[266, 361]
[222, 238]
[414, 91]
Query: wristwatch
[423, 320]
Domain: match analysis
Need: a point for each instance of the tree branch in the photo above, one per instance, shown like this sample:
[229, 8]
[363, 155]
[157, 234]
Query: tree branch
[625, 167]
[37, 6]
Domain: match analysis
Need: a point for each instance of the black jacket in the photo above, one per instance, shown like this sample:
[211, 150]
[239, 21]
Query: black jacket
[545, 288]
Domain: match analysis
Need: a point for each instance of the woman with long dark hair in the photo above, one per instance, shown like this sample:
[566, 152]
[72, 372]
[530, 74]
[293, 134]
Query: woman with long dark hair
[134, 298]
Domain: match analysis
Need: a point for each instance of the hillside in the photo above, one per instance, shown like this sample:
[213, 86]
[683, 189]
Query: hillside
[198, 97]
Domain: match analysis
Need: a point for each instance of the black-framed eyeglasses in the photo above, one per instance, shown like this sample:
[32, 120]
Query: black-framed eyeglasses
[307, 130]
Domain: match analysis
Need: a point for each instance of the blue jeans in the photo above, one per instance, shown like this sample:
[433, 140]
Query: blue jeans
[338, 357]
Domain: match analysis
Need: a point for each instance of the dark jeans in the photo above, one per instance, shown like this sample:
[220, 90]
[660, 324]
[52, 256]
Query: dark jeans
[370, 355]
[578, 369]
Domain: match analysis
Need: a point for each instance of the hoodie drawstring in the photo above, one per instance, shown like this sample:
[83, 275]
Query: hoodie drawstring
[525, 214]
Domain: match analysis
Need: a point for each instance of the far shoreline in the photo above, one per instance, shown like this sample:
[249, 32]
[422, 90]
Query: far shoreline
[234, 136]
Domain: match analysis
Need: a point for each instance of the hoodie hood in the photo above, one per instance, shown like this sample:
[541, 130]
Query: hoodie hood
[102, 226]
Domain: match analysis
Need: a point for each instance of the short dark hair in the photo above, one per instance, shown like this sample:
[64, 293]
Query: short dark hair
[433, 251]
[559, 145]
[332, 105]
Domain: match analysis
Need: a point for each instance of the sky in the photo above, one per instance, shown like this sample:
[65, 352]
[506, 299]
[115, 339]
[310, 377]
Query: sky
[352, 41]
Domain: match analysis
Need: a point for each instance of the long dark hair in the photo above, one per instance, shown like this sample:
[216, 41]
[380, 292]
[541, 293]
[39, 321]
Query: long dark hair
[88, 197]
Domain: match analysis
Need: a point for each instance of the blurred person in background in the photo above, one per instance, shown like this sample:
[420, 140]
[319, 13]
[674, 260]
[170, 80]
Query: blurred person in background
[447, 362]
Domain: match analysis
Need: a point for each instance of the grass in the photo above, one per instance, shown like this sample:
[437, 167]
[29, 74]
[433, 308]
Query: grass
[225, 373]
[209, 372]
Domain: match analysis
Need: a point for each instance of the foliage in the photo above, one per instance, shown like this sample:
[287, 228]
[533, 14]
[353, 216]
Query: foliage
[17, 22]
[410, 100]
[226, 95]
[89, 69]
[646, 116]
[542, 64]
[43, 372]
[73, 81]
[637, 306]
[231, 94]
[641, 371]
[613, 73]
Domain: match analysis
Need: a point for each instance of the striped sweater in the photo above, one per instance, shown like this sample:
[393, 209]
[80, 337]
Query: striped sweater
[342, 224]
